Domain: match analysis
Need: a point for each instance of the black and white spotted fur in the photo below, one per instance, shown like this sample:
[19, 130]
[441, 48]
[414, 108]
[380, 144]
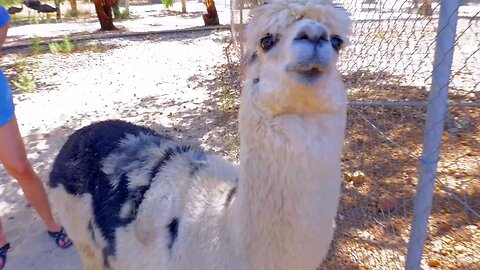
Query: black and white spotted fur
[112, 165]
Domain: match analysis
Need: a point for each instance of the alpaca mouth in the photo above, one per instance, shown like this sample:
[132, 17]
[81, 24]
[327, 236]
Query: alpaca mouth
[310, 71]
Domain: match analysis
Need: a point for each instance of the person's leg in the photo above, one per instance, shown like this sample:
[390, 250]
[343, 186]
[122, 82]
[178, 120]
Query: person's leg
[14, 158]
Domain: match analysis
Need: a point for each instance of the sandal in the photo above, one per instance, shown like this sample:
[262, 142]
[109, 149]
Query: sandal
[3, 255]
[61, 238]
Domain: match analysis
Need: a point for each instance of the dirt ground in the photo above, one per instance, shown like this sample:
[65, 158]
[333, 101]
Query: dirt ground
[163, 88]
[148, 80]
[181, 84]
[144, 18]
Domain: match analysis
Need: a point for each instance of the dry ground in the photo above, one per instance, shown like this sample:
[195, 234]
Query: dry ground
[181, 84]
[164, 81]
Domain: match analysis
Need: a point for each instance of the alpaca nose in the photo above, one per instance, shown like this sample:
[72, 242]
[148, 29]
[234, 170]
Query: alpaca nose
[313, 32]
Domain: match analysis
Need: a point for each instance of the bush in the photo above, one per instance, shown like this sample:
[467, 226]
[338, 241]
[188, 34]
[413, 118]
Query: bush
[54, 47]
[167, 3]
[26, 82]
[36, 45]
[65, 46]
[120, 15]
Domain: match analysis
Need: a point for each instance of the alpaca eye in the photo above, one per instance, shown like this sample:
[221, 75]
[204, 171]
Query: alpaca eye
[337, 43]
[267, 42]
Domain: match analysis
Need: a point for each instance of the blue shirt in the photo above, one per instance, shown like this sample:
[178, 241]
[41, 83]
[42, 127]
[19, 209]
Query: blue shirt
[7, 109]
[4, 16]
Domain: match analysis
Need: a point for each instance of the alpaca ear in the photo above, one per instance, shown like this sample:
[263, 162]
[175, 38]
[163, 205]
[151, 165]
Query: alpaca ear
[144, 230]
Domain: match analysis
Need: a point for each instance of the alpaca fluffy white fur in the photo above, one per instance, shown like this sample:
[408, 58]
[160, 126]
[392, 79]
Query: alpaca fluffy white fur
[133, 199]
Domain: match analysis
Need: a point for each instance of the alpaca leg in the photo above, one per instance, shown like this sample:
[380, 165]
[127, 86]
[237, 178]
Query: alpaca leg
[77, 226]
[91, 257]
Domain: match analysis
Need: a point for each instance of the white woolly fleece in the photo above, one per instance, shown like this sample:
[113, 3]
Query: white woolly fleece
[277, 211]
[277, 15]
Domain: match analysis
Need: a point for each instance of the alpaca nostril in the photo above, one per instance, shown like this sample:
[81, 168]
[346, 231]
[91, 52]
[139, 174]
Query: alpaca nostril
[313, 39]
[322, 39]
[302, 36]
[316, 34]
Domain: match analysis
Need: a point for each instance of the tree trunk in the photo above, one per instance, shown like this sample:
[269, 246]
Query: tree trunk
[211, 17]
[426, 8]
[184, 6]
[57, 6]
[104, 13]
[73, 7]
[127, 6]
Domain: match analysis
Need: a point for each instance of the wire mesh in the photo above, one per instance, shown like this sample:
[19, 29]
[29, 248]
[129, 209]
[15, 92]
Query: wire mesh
[388, 72]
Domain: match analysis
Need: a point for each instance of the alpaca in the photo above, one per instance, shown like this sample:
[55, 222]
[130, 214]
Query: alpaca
[133, 199]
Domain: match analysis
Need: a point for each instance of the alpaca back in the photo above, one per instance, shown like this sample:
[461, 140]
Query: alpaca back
[81, 157]
[100, 181]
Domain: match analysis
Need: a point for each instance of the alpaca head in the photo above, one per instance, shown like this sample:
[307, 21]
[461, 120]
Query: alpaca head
[292, 47]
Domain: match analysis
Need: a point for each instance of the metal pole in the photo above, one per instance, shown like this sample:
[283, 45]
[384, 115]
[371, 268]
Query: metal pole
[436, 113]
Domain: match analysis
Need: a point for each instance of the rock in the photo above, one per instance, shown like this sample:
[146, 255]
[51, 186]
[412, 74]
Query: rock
[358, 178]
[459, 248]
[409, 181]
[444, 252]
[351, 203]
[444, 227]
[398, 228]
[387, 204]
[433, 263]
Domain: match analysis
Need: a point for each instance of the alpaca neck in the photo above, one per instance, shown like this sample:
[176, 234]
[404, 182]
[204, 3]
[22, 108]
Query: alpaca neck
[289, 188]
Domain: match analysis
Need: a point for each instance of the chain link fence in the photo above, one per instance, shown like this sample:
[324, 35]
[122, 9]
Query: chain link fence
[411, 163]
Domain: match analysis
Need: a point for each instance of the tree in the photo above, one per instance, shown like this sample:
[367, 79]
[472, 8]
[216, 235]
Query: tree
[422, 7]
[184, 6]
[8, 3]
[167, 3]
[104, 13]
[211, 17]
[57, 6]
[426, 8]
[73, 7]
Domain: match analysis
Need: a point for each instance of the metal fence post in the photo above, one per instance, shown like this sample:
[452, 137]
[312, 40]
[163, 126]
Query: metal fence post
[436, 113]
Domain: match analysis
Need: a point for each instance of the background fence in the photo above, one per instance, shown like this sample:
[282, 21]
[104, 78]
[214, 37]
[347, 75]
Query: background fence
[398, 49]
